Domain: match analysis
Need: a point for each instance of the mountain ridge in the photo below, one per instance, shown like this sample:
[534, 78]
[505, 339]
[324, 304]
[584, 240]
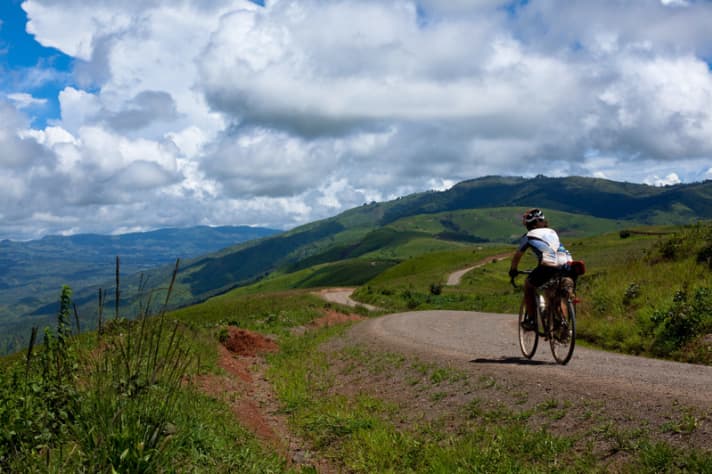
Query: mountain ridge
[636, 204]
[480, 210]
[33, 272]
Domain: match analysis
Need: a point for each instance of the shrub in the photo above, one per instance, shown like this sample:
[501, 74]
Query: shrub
[38, 405]
[705, 255]
[631, 293]
[684, 319]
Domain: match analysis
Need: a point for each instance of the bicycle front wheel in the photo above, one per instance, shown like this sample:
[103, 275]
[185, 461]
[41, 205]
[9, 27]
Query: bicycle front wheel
[562, 336]
[528, 338]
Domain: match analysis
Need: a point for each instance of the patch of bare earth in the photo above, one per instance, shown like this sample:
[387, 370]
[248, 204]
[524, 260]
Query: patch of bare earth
[251, 397]
[332, 318]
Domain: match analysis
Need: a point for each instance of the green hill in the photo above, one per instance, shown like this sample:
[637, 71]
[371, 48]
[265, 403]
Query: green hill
[133, 397]
[32, 273]
[601, 198]
[577, 206]
[483, 211]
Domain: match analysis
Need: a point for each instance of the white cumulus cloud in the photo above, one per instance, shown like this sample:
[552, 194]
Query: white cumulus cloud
[228, 112]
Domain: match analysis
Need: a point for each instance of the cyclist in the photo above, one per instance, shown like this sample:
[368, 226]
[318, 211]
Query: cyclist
[550, 254]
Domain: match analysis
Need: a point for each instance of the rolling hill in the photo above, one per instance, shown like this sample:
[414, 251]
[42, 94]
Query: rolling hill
[476, 211]
[481, 211]
[32, 273]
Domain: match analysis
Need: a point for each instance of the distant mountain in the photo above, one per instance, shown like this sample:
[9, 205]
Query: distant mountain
[363, 227]
[678, 204]
[32, 273]
[477, 211]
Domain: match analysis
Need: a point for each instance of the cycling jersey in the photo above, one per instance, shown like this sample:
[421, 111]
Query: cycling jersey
[544, 242]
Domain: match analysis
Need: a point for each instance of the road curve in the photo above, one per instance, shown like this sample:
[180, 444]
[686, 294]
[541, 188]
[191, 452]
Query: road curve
[488, 339]
[343, 296]
[455, 277]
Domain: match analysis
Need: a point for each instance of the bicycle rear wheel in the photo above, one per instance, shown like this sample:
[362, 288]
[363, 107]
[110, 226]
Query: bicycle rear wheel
[528, 338]
[562, 336]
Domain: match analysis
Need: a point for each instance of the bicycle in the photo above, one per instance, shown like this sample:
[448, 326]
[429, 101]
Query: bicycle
[556, 315]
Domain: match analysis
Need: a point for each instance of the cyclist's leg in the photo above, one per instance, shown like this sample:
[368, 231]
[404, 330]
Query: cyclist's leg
[565, 294]
[530, 297]
[537, 278]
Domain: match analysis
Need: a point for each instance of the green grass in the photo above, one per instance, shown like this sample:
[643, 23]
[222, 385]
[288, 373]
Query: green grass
[628, 297]
[419, 282]
[120, 402]
[366, 431]
[358, 432]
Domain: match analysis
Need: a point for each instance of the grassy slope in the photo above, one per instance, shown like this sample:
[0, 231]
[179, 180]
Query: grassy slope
[340, 237]
[627, 286]
[363, 431]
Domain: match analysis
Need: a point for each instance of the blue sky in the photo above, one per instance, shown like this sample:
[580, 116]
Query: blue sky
[21, 59]
[133, 115]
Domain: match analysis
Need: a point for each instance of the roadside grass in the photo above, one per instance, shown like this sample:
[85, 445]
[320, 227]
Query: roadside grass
[647, 291]
[118, 401]
[421, 427]
[439, 419]
[209, 440]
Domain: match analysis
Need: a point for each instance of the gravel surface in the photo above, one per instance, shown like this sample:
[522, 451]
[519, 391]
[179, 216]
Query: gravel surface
[492, 339]
[343, 296]
[631, 391]
[456, 277]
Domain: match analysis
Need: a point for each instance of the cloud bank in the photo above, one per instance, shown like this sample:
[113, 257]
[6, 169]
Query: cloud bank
[230, 112]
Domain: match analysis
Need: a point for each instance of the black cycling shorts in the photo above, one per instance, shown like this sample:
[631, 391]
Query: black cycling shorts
[542, 274]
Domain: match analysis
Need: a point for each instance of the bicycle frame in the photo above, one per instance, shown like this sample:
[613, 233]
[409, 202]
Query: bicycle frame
[555, 319]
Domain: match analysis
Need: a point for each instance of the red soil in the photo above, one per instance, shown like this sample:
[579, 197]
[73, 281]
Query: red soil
[247, 343]
[249, 394]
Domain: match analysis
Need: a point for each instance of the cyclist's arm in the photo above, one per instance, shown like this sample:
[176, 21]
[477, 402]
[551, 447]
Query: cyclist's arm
[516, 257]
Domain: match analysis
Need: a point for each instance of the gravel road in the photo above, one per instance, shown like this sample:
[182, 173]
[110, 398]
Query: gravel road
[456, 277]
[633, 392]
[491, 339]
[343, 296]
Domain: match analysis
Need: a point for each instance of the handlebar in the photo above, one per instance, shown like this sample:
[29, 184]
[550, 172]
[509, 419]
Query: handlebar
[519, 272]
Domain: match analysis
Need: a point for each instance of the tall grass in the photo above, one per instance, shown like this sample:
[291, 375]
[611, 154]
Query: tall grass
[132, 381]
[650, 295]
[102, 409]
[117, 401]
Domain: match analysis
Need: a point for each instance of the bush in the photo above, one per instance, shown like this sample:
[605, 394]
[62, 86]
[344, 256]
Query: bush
[686, 318]
[705, 255]
[691, 241]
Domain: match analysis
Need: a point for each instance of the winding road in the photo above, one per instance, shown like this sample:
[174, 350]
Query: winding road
[633, 390]
[488, 338]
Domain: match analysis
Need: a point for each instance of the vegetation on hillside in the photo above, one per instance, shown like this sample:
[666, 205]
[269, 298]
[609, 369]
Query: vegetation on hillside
[121, 399]
[645, 292]
[461, 215]
[661, 302]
